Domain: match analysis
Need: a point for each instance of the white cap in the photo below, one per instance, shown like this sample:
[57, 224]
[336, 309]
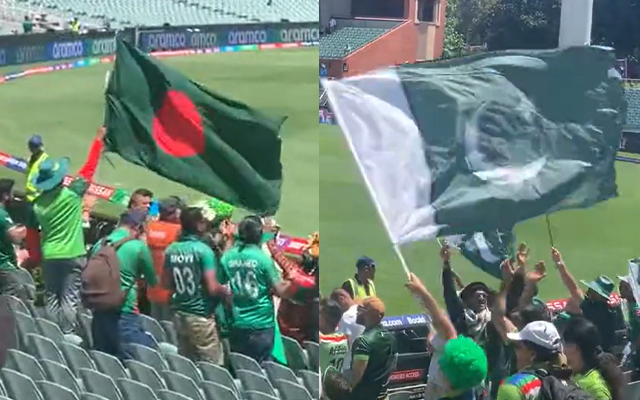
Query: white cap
[541, 333]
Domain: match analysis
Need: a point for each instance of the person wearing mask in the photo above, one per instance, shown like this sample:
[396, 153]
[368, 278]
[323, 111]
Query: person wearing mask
[361, 285]
[594, 305]
[114, 330]
[160, 234]
[32, 239]
[595, 371]
[252, 277]
[190, 270]
[374, 353]
[461, 363]
[142, 199]
[347, 324]
[538, 347]
[58, 211]
[10, 235]
[334, 346]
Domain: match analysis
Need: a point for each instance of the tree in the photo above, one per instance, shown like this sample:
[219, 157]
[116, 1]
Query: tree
[454, 42]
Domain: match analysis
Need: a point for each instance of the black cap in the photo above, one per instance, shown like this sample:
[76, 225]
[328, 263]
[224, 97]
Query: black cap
[170, 205]
[134, 218]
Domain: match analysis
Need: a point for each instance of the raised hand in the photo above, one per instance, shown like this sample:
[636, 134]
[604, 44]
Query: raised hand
[538, 274]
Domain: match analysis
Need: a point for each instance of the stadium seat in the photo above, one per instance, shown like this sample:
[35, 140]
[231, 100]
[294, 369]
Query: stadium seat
[295, 354]
[19, 386]
[108, 364]
[52, 331]
[25, 364]
[61, 375]
[53, 391]
[93, 396]
[256, 382]
[311, 381]
[276, 372]
[148, 356]
[169, 395]
[153, 327]
[42, 312]
[132, 390]
[144, 374]
[4, 398]
[24, 325]
[216, 391]
[184, 366]
[16, 305]
[170, 332]
[292, 391]
[313, 352]
[218, 374]
[240, 361]
[182, 384]
[44, 348]
[345, 41]
[101, 384]
[632, 391]
[400, 396]
[76, 357]
[253, 395]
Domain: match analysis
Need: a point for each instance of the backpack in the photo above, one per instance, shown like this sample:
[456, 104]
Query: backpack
[554, 388]
[101, 289]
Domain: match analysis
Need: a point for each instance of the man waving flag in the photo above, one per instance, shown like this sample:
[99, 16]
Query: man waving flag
[483, 142]
[160, 119]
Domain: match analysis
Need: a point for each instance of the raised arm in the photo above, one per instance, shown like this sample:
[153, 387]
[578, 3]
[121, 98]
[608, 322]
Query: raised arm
[499, 317]
[575, 293]
[441, 322]
[451, 299]
[90, 166]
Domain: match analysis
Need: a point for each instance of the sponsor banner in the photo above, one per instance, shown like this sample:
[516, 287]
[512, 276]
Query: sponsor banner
[409, 375]
[177, 38]
[630, 142]
[66, 50]
[406, 321]
[100, 47]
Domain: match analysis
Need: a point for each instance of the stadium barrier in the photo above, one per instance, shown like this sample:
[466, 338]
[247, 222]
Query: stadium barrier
[44, 47]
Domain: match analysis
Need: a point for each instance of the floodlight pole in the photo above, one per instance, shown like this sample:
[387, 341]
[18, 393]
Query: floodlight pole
[575, 23]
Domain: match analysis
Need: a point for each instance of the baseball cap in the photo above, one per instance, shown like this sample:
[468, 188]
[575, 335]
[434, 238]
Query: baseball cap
[171, 204]
[365, 261]
[541, 333]
[134, 217]
[35, 140]
[374, 303]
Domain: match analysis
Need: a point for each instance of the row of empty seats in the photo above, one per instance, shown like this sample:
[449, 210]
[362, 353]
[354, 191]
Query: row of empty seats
[346, 40]
[124, 13]
[632, 95]
[49, 365]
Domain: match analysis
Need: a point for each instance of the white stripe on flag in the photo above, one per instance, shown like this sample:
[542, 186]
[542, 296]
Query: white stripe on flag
[385, 140]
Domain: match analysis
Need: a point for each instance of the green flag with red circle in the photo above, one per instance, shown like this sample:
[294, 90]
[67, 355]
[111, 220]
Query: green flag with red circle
[159, 119]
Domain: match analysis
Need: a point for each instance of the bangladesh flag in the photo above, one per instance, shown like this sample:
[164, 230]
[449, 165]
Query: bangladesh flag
[160, 119]
[483, 142]
[486, 250]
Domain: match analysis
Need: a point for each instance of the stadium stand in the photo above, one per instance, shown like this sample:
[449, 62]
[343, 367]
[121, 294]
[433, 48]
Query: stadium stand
[632, 95]
[56, 368]
[124, 13]
[345, 41]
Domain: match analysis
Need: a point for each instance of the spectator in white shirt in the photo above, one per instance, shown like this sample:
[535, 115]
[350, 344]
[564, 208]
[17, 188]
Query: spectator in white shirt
[347, 324]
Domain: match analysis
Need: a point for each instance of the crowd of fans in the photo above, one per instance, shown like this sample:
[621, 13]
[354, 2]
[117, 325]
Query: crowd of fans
[504, 344]
[208, 275]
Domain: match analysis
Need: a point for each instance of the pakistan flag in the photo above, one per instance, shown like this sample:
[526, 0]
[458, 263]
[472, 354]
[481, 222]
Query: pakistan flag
[159, 119]
[485, 250]
[484, 142]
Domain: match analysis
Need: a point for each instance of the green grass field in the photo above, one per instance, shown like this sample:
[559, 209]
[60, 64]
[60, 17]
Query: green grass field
[596, 241]
[66, 107]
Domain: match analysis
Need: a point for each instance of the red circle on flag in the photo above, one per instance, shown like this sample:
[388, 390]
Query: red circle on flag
[177, 126]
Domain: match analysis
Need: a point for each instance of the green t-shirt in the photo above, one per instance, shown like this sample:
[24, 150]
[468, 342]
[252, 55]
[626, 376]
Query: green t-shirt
[634, 322]
[593, 383]
[186, 261]
[27, 26]
[59, 213]
[379, 348]
[332, 350]
[251, 275]
[135, 262]
[7, 251]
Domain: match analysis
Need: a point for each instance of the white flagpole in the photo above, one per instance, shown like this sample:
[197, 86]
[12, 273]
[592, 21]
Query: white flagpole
[575, 23]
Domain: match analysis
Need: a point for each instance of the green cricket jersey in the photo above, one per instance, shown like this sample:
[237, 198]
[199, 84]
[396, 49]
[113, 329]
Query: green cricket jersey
[251, 275]
[187, 260]
[7, 252]
[378, 347]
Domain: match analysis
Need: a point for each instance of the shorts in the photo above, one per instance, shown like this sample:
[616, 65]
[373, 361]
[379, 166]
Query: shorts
[198, 338]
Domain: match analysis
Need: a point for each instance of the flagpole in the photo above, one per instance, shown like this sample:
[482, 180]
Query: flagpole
[576, 18]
